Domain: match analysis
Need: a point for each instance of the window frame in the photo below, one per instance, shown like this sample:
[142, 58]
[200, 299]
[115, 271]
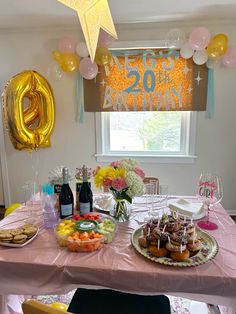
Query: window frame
[186, 155]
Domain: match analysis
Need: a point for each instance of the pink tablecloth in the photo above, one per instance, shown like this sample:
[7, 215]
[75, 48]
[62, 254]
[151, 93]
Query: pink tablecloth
[43, 268]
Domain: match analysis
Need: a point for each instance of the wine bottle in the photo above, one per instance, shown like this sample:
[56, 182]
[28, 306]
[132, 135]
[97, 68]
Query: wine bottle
[85, 195]
[66, 198]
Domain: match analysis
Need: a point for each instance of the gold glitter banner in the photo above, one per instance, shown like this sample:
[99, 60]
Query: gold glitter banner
[148, 80]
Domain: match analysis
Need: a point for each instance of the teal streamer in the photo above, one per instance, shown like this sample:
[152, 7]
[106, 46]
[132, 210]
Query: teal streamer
[210, 94]
[80, 99]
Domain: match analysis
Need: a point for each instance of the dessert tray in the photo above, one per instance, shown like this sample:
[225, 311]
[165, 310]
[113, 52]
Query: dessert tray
[208, 251]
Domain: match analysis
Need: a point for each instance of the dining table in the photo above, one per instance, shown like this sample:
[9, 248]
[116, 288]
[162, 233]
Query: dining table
[43, 267]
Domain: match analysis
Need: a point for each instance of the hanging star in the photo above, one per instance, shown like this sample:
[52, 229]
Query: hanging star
[93, 15]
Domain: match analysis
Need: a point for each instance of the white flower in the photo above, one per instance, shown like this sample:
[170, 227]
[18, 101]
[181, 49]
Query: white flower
[135, 184]
[128, 164]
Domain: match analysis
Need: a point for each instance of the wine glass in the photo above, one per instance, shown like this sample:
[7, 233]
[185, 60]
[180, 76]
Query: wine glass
[210, 192]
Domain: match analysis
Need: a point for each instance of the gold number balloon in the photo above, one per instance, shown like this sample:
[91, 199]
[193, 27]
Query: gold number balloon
[29, 128]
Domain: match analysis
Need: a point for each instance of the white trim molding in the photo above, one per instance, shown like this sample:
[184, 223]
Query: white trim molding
[174, 159]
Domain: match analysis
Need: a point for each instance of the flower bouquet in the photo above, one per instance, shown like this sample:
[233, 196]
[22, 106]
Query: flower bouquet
[124, 178]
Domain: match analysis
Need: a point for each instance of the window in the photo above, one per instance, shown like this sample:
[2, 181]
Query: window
[164, 136]
[153, 79]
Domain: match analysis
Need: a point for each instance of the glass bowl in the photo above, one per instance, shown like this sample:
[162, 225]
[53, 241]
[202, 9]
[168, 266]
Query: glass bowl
[107, 227]
[83, 245]
[64, 229]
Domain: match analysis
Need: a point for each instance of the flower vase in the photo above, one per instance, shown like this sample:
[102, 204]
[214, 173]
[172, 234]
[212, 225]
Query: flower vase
[121, 210]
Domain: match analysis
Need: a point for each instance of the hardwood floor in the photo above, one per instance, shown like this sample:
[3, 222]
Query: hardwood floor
[234, 218]
[2, 211]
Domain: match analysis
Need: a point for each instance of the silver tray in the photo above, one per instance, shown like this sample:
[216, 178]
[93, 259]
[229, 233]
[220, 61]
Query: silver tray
[208, 251]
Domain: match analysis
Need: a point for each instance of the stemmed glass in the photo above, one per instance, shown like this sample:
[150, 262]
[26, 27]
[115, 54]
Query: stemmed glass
[210, 192]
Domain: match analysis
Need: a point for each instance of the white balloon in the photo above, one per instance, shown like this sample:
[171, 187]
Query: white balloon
[82, 50]
[200, 57]
[175, 38]
[186, 51]
[54, 71]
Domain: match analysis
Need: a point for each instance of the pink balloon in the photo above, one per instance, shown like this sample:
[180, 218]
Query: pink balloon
[199, 38]
[229, 59]
[105, 40]
[88, 70]
[66, 44]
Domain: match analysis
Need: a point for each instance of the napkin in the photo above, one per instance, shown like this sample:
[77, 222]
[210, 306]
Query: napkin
[186, 208]
[103, 202]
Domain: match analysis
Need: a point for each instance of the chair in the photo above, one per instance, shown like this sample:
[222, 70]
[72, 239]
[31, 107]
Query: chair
[105, 301]
[36, 307]
[153, 180]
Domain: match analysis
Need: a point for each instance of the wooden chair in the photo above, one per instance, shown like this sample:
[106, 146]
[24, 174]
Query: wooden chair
[36, 307]
[153, 180]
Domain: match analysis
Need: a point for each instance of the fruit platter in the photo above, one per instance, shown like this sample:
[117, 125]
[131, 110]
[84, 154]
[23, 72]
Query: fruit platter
[170, 240]
[85, 233]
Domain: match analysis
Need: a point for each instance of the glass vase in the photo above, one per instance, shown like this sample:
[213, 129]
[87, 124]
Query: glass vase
[121, 210]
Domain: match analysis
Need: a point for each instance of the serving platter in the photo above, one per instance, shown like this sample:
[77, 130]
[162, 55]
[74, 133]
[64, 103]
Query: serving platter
[208, 251]
[20, 245]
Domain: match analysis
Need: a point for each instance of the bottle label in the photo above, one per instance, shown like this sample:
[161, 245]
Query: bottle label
[57, 188]
[66, 210]
[84, 208]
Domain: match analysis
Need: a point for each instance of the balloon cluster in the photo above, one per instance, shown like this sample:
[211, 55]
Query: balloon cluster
[202, 47]
[72, 57]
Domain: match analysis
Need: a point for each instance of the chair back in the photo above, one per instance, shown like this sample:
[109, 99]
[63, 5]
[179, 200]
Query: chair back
[36, 307]
[154, 181]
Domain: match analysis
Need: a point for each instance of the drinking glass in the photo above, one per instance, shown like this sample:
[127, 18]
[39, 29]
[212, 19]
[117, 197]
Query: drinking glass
[29, 189]
[150, 190]
[210, 192]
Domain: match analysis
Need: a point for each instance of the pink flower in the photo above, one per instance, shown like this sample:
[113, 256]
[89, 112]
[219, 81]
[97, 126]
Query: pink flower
[139, 172]
[118, 184]
[115, 164]
[107, 182]
[96, 170]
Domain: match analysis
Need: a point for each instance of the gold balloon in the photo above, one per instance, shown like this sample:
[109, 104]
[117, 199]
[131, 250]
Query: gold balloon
[68, 61]
[30, 128]
[60, 306]
[31, 113]
[218, 46]
[103, 56]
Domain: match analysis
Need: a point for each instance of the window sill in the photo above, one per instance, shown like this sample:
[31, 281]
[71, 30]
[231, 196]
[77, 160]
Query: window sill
[174, 159]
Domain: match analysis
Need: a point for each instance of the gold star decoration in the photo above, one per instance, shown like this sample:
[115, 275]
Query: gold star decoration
[93, 15]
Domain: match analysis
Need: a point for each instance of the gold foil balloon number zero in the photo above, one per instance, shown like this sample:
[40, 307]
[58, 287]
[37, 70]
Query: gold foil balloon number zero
[29, 128]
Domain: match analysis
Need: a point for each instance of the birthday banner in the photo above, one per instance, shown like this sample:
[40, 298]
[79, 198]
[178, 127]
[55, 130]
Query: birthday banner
[147, 80]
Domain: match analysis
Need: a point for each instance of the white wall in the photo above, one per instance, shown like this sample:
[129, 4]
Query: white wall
[74, 144]
[1, 188]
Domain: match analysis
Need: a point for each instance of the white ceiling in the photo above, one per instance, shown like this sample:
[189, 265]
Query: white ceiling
[37, 13]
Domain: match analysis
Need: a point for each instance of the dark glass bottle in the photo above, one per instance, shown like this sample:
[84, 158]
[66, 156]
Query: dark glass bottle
[85, 195]
[66, 198]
